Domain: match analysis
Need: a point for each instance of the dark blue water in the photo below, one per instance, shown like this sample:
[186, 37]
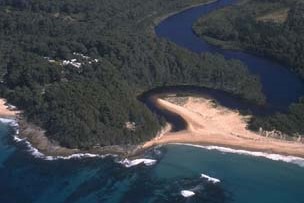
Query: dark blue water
[25, 179]
[244, 179]
[281, 86]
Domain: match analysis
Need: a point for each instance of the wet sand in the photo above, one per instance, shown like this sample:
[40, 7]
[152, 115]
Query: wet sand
[210, 124]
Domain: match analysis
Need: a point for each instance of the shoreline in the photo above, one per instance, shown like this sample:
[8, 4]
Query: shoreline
[37, 141]
[55, 152]
[41, 147]
[212, 125]
[40, 144]
[7, 111]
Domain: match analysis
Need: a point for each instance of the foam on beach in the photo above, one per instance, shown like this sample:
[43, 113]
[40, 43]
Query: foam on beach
[187, 193]
[276, 157]
[210, 179]
[129, 163]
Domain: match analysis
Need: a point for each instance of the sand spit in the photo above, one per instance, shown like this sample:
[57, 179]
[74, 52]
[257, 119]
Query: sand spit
[211, 124]
[207, 125]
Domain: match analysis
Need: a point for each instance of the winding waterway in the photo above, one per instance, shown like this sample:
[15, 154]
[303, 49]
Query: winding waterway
[243, 178]
[280, 86]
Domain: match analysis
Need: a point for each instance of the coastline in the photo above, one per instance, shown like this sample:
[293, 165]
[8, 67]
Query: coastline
[194, 134]
[7, 111]
[41, 147]
[213, 125]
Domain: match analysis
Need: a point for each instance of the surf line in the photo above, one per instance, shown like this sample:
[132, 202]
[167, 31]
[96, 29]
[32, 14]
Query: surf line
[37, 154]
[275, 157]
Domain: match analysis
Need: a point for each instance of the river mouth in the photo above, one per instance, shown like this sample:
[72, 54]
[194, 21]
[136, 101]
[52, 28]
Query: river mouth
[218, 96]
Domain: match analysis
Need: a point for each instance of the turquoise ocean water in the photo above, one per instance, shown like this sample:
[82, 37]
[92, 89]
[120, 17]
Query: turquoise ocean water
[244, 179]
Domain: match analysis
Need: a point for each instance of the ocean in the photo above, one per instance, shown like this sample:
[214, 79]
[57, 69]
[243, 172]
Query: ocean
[243, 178]
[180, 173]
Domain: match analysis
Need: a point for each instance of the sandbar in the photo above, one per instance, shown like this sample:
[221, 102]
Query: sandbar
[212, 124]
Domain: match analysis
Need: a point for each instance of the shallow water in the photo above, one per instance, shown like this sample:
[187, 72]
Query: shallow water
[243, 178]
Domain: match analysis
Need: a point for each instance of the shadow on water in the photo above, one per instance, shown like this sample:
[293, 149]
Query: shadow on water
[220, 97]
[149, 99]
[280, 86]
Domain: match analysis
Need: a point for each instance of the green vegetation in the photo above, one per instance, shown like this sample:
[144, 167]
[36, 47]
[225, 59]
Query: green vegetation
[76, 67]
[267, 27]
[290, 123]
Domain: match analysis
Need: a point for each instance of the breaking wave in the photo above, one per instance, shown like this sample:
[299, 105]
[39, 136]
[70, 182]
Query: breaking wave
[187, 193]
[37, 154]
[276, 157]
[129, 163]
[210, 179]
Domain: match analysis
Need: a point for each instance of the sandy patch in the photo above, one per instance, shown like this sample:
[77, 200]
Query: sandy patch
[209, 124]
[7, 111]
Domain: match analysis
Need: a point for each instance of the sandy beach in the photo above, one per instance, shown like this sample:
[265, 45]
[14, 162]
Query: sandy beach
[6, 111]
[207, 124]
[210, 124]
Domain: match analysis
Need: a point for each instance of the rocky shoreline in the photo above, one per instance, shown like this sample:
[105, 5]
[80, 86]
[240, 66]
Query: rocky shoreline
[37, 138]
[40, 146]
[43, 147]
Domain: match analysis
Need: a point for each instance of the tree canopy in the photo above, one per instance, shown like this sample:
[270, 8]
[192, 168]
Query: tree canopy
[76, 67]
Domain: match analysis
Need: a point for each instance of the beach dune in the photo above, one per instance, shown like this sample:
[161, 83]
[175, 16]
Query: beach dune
[211, 124]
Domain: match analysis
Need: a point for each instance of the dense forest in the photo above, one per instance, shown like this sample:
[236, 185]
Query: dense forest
[290, 123]
[266, 27]
[76, 67]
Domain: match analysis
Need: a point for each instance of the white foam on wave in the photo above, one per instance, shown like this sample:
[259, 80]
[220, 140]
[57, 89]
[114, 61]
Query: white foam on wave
[11, 122]
[18, 139]
[37, 154]
[187, 193]
[129, 163]
[210, 179]
[276, 157]
[77, 156]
